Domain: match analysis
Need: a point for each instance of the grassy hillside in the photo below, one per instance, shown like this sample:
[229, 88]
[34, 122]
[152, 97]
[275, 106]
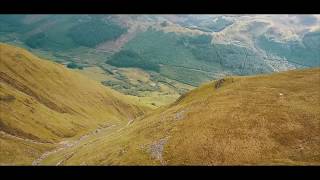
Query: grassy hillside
[66, 38]
[43, 103]
[271, 119]
[60, 32]
[305, 53]
[190, 59]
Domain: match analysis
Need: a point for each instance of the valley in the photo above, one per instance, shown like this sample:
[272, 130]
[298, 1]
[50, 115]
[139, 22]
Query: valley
[223, 124]
[182, 51]
[43, 102]
[159, 90]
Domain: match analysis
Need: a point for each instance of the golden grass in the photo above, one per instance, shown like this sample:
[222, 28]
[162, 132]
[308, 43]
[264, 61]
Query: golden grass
[95, 73]
[264, 120]
[45, 102]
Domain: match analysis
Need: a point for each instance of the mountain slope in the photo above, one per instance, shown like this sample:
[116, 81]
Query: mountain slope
[269, 119]
[43, 103]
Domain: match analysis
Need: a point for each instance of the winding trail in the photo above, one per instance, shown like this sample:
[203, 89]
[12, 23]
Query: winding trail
[129, 122]
[68, 144]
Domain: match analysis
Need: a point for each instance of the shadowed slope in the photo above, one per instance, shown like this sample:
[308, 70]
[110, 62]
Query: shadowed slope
[43, 102]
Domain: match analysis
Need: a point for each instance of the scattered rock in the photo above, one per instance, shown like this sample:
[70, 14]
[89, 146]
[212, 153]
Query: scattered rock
[123, 151]
[156, 149]
[180, 115]
[66, 144]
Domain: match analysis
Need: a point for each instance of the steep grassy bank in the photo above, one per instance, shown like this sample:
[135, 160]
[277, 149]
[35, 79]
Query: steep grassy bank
[43, 103]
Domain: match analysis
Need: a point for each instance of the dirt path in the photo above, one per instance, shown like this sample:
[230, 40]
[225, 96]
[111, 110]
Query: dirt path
[129, 122]
[68, 144]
